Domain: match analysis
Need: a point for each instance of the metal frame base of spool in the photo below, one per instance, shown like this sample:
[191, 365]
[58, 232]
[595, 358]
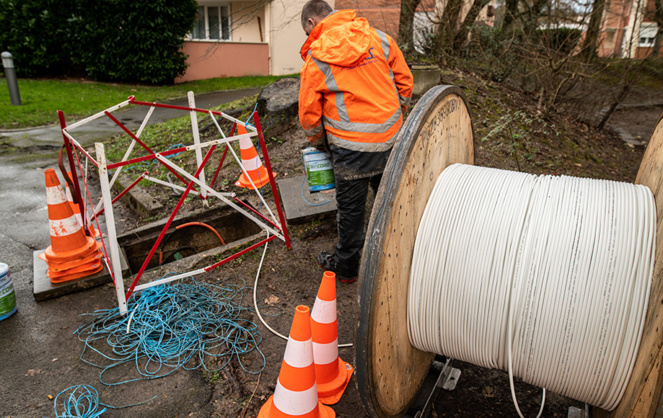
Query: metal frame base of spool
[440, 376]
[390, 371]
[438, 133]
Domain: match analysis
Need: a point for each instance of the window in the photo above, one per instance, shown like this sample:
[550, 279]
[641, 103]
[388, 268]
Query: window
[212, 23]
[648, 32]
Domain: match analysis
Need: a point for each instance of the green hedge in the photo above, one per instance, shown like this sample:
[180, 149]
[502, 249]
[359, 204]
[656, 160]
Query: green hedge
[108, 40]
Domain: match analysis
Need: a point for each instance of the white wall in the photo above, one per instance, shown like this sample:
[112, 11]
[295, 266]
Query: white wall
[245, 16]
[285, 35]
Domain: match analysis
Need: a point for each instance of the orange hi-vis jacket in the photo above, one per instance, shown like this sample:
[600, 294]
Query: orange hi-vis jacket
[353, 84]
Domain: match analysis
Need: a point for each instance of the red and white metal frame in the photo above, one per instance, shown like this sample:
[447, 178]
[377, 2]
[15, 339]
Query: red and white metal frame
[274, 228]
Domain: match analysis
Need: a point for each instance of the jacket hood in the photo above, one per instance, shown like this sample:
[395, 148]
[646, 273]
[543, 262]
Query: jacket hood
[341, 39]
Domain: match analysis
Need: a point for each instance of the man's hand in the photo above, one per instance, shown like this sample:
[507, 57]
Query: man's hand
[321, 147]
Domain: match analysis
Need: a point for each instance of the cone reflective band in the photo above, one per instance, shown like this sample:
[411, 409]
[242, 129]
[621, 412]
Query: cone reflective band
[296, 393]
[332, 374]
[71, 254]
[251, 163]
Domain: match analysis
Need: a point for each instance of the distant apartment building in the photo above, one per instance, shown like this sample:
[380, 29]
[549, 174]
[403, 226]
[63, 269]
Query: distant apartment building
[385, 14]
[628, 29]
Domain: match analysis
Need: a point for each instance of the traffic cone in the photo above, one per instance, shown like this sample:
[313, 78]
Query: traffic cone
[331, 373]
[296, 393]
[251, 163]
[71, 254]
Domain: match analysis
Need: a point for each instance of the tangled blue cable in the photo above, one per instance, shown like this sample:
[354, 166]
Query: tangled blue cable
[82, 402]
[183, 325]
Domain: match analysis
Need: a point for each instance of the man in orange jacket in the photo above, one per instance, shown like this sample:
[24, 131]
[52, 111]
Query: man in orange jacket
[355, 87]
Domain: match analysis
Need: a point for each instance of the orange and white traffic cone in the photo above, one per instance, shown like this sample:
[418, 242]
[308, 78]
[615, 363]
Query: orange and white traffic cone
[71, 254]
[296, 394]
[251, 163]
[331, 373]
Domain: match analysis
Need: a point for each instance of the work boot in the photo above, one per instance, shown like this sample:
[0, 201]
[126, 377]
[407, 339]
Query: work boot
[327, 262]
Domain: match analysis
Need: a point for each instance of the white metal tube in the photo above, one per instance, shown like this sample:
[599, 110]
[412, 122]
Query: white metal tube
[220, 196]
[96, 116]
[196, 142]
[110, 227]
[168, 279]
[133, 143]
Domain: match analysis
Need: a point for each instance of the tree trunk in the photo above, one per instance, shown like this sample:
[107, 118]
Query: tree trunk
[510, 14]
[626, 87]
[406, 25]
[466, 26]
[593, 29]
[658, 13]
[532, 21]
[447, 28]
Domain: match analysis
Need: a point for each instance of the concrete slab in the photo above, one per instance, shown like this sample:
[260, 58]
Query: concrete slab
[298, 210]
[44, 289]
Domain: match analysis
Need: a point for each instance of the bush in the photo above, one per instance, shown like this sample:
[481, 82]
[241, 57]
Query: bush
[562, 40]
[109, 40]
[34, 31]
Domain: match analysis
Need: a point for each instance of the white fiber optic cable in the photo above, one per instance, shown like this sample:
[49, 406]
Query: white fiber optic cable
[544, 277]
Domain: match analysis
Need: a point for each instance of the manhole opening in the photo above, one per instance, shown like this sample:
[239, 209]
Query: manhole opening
[186, 241]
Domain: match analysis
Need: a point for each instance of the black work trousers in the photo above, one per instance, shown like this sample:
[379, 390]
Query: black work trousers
[351, 200]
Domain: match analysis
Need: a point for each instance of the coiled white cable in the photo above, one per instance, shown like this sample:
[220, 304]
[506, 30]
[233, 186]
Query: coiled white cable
[545, 277]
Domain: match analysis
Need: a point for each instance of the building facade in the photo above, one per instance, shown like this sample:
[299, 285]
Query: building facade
[244, 38]
[628, 29]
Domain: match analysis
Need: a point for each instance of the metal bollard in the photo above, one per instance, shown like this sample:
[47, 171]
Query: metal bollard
[12, 82]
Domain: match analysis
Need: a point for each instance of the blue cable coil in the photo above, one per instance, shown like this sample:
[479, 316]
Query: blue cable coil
[183, 325]
[82, 401]
[78, 401]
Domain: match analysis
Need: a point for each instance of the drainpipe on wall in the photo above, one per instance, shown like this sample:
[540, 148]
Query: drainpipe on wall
[268, 36]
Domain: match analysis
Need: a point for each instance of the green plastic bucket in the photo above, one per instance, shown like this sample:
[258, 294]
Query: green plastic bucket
[7, 296]
[319, 170]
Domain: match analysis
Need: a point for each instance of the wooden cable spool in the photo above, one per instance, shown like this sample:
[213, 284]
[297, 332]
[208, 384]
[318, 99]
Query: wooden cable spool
[390, 371]
[437, 133]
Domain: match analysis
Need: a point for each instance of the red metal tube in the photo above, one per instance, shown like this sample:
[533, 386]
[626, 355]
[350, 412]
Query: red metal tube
[167, 106]
[118, 197]
[216, 173]
[272, 183]
[135, 138]
[170, 220]
[72, 168]
[259, 214]
[145, 158]
[244, 251]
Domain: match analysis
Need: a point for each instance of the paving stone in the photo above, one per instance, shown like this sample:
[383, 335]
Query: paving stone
[297, 210]
[44, 289]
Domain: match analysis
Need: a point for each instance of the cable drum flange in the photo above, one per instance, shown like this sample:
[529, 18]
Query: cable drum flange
[545, 277]
[389, 370]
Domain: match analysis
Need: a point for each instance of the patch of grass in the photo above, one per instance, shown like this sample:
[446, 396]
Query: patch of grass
[77, 99]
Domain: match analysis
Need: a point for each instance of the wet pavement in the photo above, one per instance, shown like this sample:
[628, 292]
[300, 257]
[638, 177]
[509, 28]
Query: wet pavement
[39, 356]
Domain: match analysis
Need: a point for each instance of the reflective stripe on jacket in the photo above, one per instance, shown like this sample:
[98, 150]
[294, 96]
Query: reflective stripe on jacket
[353, 84]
